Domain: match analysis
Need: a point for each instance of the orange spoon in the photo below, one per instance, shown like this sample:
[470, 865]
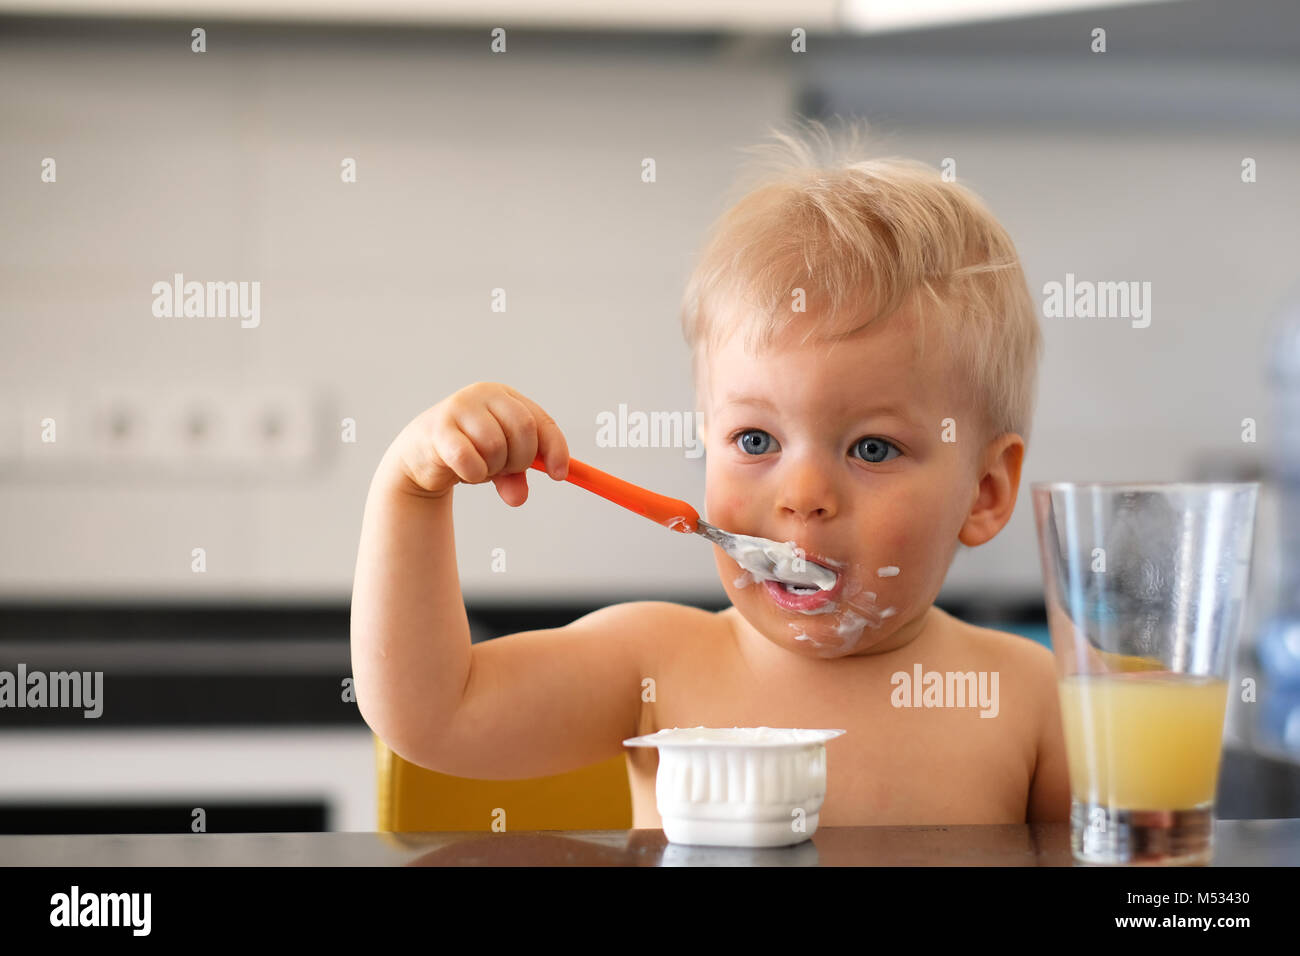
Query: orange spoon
[759, 555]
[666, 511]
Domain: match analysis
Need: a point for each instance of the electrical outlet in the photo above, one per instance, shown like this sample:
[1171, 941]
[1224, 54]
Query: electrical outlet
[280, 426]
[122, 422]
[197, 430]
[257, 430]
[179, 432]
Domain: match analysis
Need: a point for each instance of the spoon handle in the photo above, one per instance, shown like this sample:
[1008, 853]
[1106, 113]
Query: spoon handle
[670, 512]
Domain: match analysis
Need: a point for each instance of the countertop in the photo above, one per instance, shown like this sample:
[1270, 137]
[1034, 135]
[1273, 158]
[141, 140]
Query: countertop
[1237, 843]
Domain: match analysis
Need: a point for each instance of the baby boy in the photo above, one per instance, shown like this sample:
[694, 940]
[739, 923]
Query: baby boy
[865, 350]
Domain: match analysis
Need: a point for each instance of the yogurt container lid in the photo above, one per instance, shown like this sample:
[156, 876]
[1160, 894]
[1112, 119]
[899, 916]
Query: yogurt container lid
[732, 737]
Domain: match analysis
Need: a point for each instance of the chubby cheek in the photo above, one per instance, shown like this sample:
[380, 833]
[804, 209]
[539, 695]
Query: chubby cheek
[906, 548]
[725, 503]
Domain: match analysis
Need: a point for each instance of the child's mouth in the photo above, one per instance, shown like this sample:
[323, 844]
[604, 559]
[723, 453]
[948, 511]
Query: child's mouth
[798, 597]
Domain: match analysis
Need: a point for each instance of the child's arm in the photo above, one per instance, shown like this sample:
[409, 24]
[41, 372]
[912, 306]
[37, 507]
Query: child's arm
[1049, 791]
[532, 704]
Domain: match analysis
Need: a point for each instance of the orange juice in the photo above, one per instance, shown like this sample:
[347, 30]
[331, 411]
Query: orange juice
[1144, 740]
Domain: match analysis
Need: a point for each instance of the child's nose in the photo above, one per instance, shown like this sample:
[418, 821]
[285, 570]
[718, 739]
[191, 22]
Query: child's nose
[806, 491]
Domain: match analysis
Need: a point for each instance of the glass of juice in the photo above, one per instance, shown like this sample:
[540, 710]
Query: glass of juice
[1144, 586]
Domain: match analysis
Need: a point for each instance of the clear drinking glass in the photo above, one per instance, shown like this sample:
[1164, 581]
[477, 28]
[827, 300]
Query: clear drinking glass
[1144, 587]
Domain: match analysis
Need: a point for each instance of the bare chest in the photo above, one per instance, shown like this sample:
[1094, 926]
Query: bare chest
[895, 765]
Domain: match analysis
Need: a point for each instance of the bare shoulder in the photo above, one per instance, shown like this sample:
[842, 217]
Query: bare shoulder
[1021, 663]
[657, 617]
[1014, 650]
[652, 626]
[678, 626]
[646, 613]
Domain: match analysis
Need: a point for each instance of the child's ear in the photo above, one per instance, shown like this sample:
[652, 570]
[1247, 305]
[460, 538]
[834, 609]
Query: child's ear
[995, 496]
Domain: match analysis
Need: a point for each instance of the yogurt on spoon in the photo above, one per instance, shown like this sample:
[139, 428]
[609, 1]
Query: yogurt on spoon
[782, 562]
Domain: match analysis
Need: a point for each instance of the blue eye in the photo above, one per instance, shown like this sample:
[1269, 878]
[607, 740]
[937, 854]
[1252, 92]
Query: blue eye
[754, 441]
[876, 450]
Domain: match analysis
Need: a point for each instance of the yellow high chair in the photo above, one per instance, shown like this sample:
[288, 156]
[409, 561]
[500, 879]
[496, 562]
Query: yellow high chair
[413, 799]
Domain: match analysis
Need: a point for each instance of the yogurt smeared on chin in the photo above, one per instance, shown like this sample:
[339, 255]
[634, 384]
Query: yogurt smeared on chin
[786, 564]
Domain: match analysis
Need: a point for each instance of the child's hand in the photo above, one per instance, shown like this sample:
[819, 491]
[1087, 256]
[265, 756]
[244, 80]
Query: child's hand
[485, 431]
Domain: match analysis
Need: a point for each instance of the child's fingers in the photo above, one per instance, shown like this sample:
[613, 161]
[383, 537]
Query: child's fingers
[554, 449]
[520, 428]
[513, 489]
[489, 441]
[461, 457]
[550, 440]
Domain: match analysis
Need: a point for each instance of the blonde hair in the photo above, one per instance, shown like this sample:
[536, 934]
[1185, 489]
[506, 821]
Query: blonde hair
[864, 238]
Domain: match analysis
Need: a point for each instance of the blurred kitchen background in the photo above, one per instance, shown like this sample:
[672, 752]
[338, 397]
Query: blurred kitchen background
[522, 171]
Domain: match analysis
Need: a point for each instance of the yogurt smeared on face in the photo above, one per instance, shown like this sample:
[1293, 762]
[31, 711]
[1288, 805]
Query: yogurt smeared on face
[768, 560]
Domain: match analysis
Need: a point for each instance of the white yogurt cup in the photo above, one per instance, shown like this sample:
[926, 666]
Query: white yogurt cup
[739, 786]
